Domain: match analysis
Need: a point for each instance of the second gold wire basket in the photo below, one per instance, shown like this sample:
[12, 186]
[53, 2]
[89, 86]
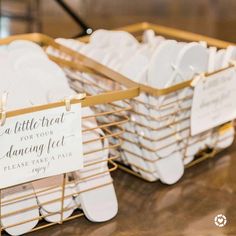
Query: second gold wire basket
[151, 125]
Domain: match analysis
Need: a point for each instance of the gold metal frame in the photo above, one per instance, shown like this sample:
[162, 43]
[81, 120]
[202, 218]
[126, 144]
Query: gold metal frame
[111, 119]
[137, 30]
[176, 34]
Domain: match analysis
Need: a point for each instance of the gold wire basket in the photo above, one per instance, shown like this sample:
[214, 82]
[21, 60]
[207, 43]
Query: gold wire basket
[124, 164]
[109, 121]
[203, 154]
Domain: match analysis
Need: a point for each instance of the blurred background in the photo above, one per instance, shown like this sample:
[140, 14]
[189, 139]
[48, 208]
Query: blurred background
[215, 18]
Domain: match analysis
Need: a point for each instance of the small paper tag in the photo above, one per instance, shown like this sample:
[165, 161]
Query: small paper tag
[214, 101]
[40, 144]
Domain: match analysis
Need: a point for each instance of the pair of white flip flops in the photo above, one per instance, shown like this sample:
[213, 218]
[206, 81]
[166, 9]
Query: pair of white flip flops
[30, 78]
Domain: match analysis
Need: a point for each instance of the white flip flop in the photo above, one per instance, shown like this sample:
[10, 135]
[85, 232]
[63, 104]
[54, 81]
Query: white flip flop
[16, 205]
[160, 71]
[104, 206]
[24, 44]
[135, 66]
[103, 38]
[192, 59]
[160, 68]
[170, 169]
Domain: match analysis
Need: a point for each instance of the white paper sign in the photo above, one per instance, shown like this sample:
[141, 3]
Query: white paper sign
[40, 144]
[214, 101]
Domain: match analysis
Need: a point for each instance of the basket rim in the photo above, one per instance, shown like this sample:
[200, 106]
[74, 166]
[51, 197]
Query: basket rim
[176, 33]
[131, 90]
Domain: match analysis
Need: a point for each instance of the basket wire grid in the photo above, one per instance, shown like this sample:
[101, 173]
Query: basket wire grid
[180, 105]
[170, 120]
[109, 121]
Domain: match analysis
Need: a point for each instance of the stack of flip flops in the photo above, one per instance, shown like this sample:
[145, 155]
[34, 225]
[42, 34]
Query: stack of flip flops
[29, 78]
[158, 143]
